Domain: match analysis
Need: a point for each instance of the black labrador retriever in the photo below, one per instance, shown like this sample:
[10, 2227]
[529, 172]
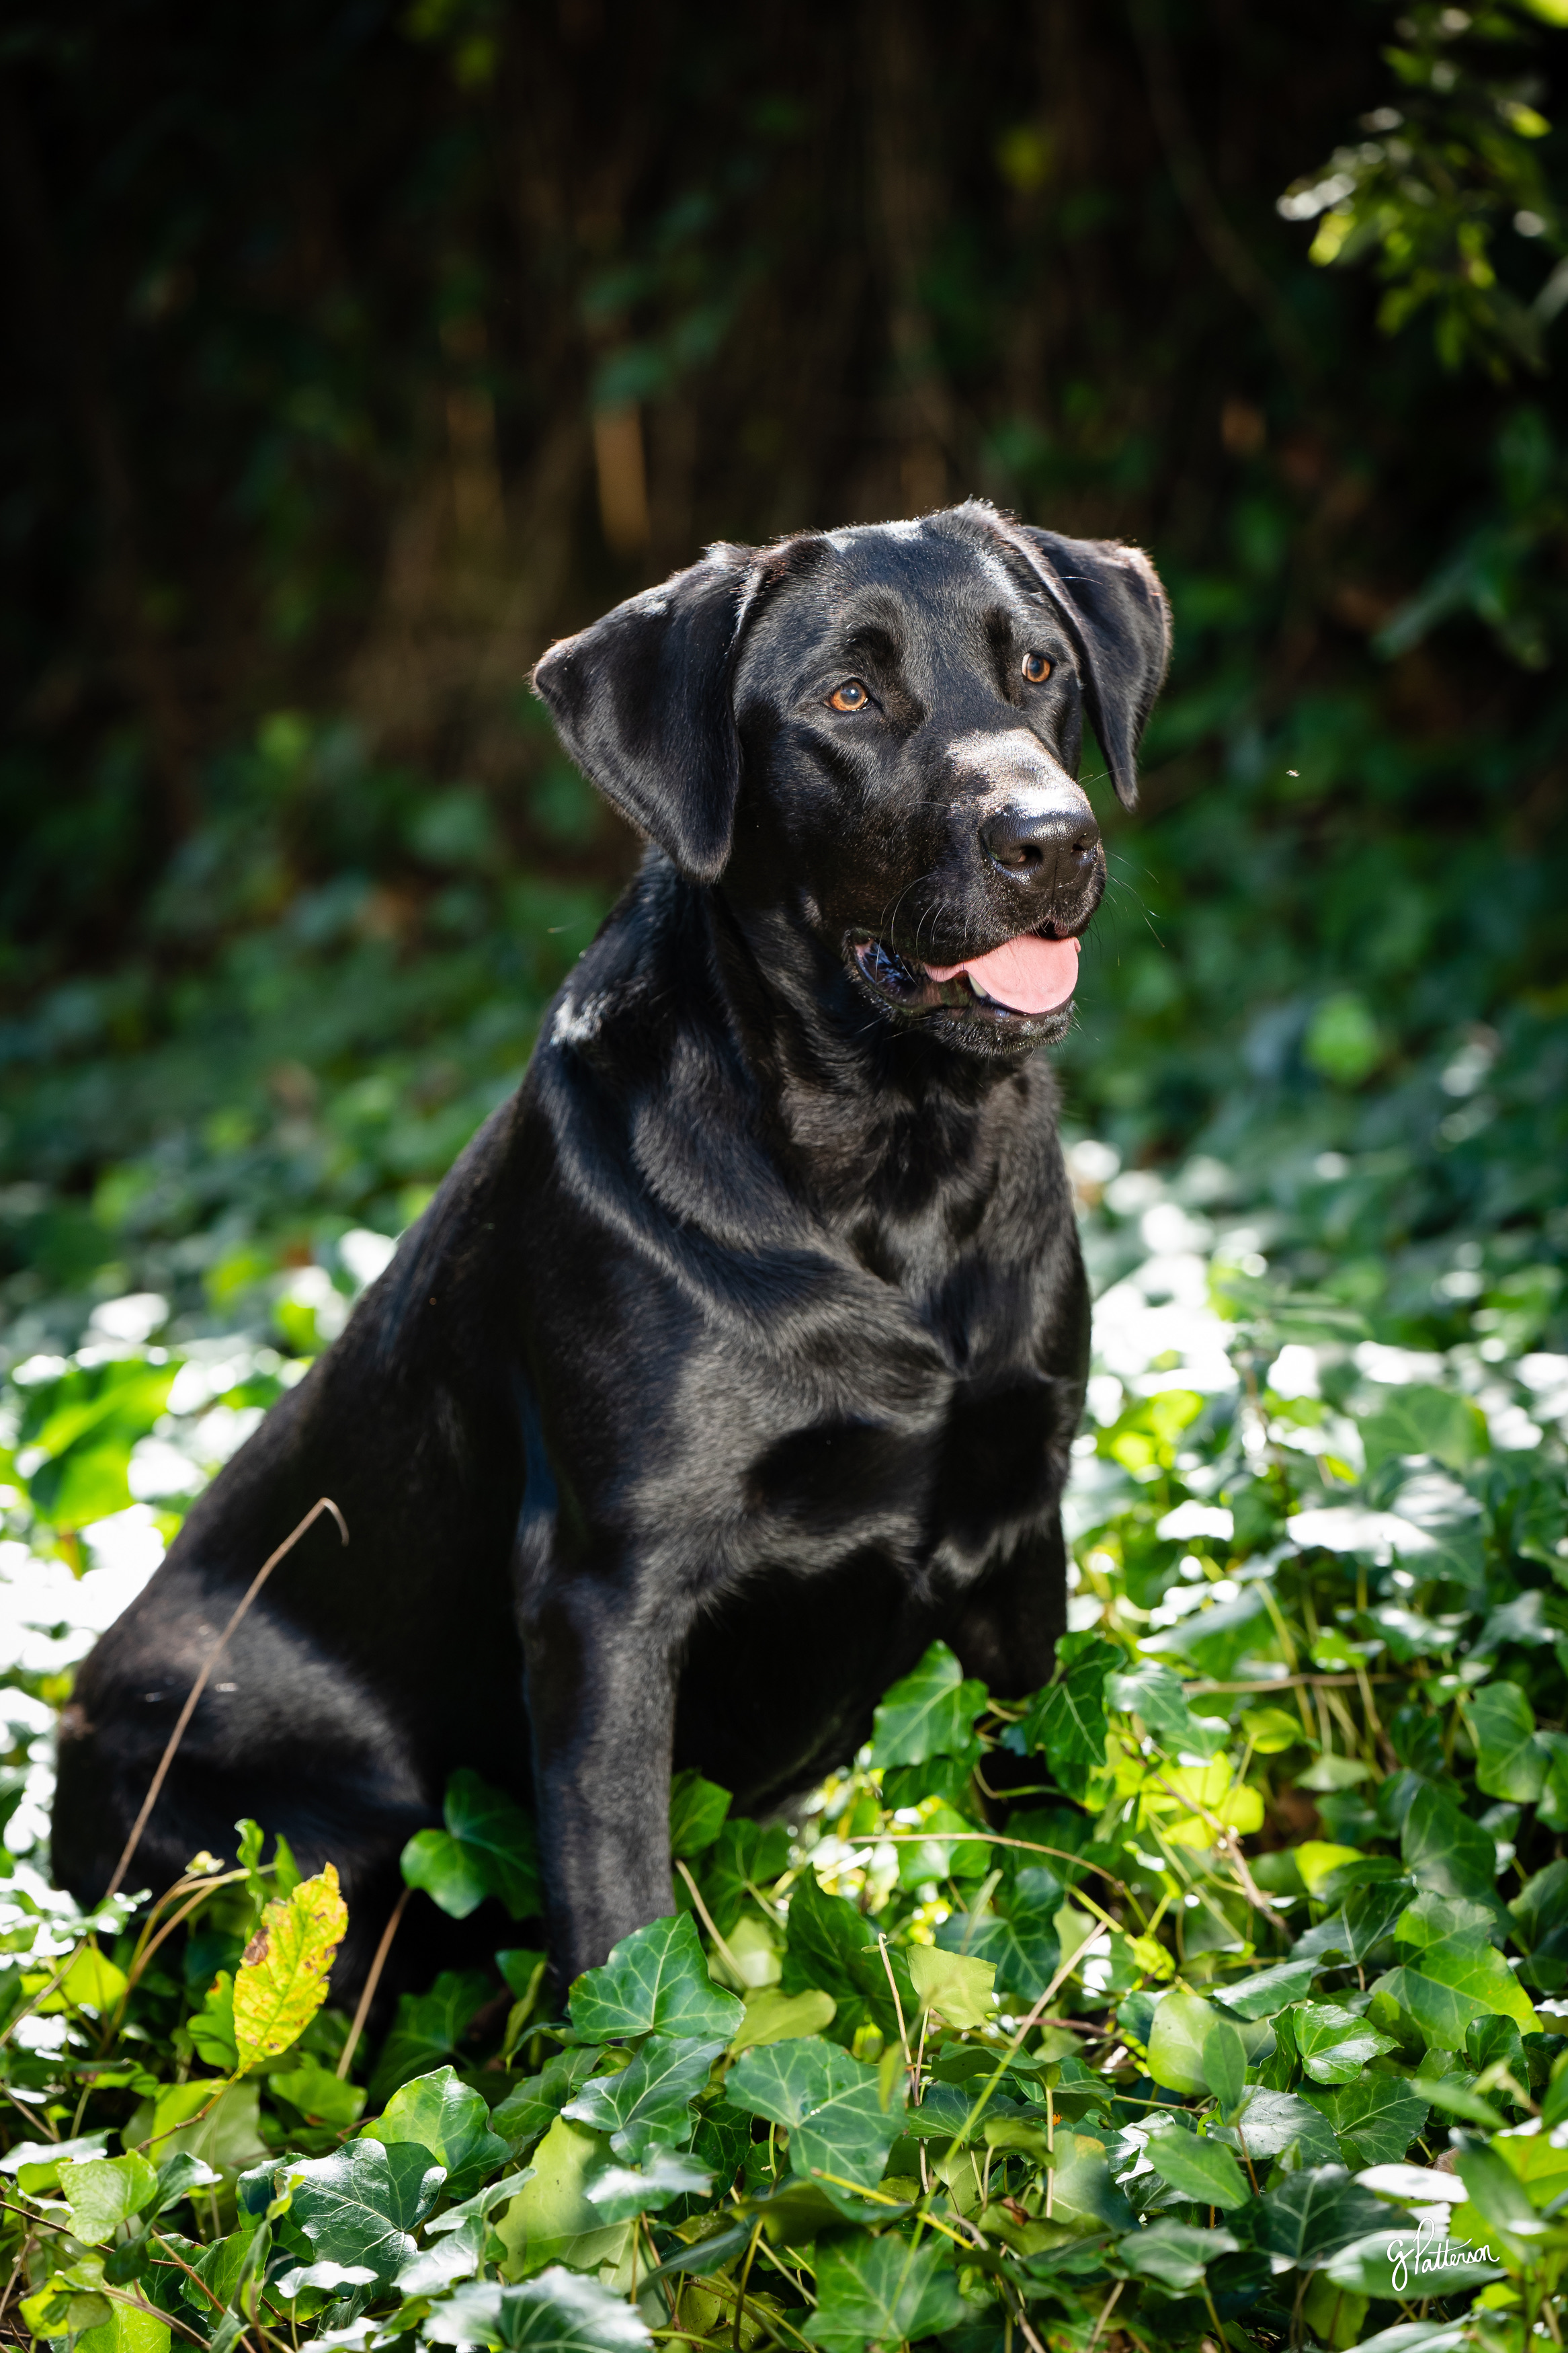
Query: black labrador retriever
[739, 1356]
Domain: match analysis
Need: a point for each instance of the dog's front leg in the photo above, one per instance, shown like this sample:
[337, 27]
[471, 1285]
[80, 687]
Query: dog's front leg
[601, 1703]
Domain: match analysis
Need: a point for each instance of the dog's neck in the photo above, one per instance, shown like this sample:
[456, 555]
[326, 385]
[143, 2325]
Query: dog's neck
[855, 1097]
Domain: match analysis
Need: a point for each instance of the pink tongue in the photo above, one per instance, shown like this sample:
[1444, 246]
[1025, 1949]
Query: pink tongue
[1026, 975]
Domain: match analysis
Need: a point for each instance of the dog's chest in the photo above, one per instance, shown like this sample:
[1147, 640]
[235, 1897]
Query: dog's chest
[907, 1427]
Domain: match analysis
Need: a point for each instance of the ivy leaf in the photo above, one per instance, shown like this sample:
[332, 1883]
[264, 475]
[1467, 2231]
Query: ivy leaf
[450, 1876]
[773, 2016]
[1204, 2170]
[1421, 1419]
[1023, 1948]
[1174, 2253]
[130, 2329]
[1364, 1921]
[881, 2291]
[550, 2219]
[483, 2202]
[959, 1988]
[360, 2205]
[833, 1948]
[1181, 2026]
[744, 1854]
[321, 2096]
[281, 1982]
[697, 1811]
[429, 2028]
[1334, 2045]
[655, 1981]
[1453, 1941]
[1511, 1761]
[931, 1713]
[497, 1837]
[649, 2102]
[829, 2104]
[1444, 1849]
[1375, 2119]
[104, 2191]
[440, 2113]
[559, 2312]
[534, 2103]
[1154, 1691]
[1314, 2212]
[621, 2191]
[1224, 2063]
[1068, 1719]
[1268, 1991]
[455, 2256]
[1271, 2124]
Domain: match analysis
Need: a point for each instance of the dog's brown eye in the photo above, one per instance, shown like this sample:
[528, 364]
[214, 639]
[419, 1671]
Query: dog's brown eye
[850, 696]
[1036, 669]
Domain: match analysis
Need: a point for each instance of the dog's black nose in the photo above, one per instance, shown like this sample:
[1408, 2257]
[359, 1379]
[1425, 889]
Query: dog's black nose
[1043, 844]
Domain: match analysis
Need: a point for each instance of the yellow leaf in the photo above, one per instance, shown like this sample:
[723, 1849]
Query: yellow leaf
[282, 1980]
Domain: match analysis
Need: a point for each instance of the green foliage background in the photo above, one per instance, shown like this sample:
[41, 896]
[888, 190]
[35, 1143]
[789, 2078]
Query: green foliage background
[362, 352]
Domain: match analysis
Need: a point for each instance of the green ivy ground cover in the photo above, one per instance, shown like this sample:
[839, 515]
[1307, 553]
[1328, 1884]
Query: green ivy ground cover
[1238, 2019]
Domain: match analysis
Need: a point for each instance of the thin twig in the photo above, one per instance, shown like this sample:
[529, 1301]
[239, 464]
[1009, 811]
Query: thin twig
[898, 2005]
[323, 1503]
[726, 1955]
[1106, 2310]
[205, 1888]
[370, 1983]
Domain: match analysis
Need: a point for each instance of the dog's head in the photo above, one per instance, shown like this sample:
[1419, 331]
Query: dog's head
[880, 731]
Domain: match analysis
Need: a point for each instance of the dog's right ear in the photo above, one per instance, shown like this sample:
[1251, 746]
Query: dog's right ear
[642, 703]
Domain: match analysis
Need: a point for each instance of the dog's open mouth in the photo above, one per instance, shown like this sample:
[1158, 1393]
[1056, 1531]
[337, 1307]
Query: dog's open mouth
[1024, 981]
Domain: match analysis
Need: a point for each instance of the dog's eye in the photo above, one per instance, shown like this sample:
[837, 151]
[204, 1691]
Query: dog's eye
[1036, 668]
[850, 696]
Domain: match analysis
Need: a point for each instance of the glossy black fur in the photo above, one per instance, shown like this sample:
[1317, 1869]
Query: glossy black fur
[739, 1356]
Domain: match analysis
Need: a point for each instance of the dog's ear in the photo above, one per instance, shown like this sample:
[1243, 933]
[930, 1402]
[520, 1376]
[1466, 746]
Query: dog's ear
[1120, 621]
[642, 703]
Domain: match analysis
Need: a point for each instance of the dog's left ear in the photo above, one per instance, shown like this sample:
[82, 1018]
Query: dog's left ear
[642, 703]
[1120, 621]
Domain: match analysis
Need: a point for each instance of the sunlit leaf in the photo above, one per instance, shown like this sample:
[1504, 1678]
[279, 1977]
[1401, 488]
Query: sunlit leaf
[929, 1713]
[663, 2174]
[559, 2312]
[282, 1980]
[648, 2104]
[1335, 2044]
[439, 2112]
[959, 1988]
[361, 2204]
[655, 1981]
[830, 2105]
[104, 2191]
